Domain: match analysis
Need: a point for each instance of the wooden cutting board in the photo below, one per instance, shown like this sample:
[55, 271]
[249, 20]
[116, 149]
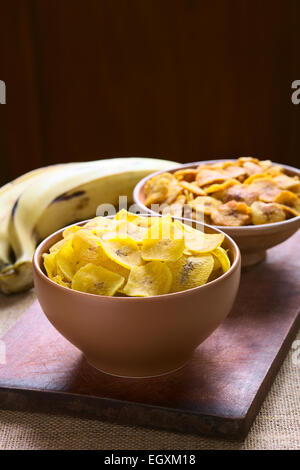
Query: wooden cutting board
[218, 393]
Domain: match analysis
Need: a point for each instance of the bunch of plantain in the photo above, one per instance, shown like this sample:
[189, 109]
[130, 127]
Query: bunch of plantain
[44, 200]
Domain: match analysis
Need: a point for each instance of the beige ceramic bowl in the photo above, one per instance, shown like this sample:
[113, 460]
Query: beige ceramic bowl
[134, 336]
[253, 240]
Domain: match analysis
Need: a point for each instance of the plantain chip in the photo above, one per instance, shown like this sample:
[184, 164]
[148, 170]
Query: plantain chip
[207, 176]
[69, 232]
[65, 260]
[192, 188]
[97, 280]
[164, 228]
[290, 212]
[162, 250]
[100, 224]
[204, 204]
[153, 278]
[243, 160]
[252, 168]
[190, 271]
[156, 189]
[50, 264]
[222, 257]
[86, 247]
[266, 213]
[232, 214]
[123, 214]
[126, 229]
[165, 241]
[176, 208]
[288, 182]
[256, 176]
[241, 193]
[188, 174]
[59, 279]
[57, 245]
[267, 188]
[123, 251]
[289, 199]
[234, 171]
[162, 188]
[217, 187]
[199, 242]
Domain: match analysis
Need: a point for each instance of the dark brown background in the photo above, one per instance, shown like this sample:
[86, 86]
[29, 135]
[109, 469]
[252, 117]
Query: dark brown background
[185, 80]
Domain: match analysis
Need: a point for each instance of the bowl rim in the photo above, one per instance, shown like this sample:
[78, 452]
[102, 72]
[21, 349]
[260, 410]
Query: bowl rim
[244, 228]
[39, 251]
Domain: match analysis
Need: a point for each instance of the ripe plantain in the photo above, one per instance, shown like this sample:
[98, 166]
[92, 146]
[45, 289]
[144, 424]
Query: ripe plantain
[64, 195]
[9, 194]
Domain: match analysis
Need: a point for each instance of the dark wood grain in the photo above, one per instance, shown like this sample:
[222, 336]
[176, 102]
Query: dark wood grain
[218, 393]
[183, 79]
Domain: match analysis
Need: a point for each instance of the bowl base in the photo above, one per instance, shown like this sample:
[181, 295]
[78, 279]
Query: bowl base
[251, 259]
[136, 373]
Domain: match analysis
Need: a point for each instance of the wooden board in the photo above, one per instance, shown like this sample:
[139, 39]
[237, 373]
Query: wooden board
[218, 393]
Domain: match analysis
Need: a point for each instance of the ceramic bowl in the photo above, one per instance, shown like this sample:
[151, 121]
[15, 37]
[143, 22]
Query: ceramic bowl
[134, 336]
[253, 240]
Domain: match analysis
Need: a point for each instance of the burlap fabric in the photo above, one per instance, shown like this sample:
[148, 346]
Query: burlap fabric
[277, 426]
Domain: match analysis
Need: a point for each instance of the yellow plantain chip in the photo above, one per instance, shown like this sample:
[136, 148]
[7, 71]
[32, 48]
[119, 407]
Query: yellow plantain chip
[192, 188]
[131, 217]
[256, 176]
[289, 199]
[289, 210]
[188, 174]
[206, 176]
[222, 257]
[164, 228]
[243, 160]
[190, 271]
[234, 171]
[215, 188]
[69, 232]
[126, 229]
[266, 164]
[164, 241]
[267, 188]
[199, 242]
[100, 225]
[50, 264]
[241, 193]
[57, 245]
[61, 281]
[97, 280]
[232, 214]
[152, 278]
[217, 265]
[66, 261]
[287, 182]
[162, 250]
[123, 214]
[264, 213]
[251, 168]
[204, 204]
[123, 251]
[86, 247]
